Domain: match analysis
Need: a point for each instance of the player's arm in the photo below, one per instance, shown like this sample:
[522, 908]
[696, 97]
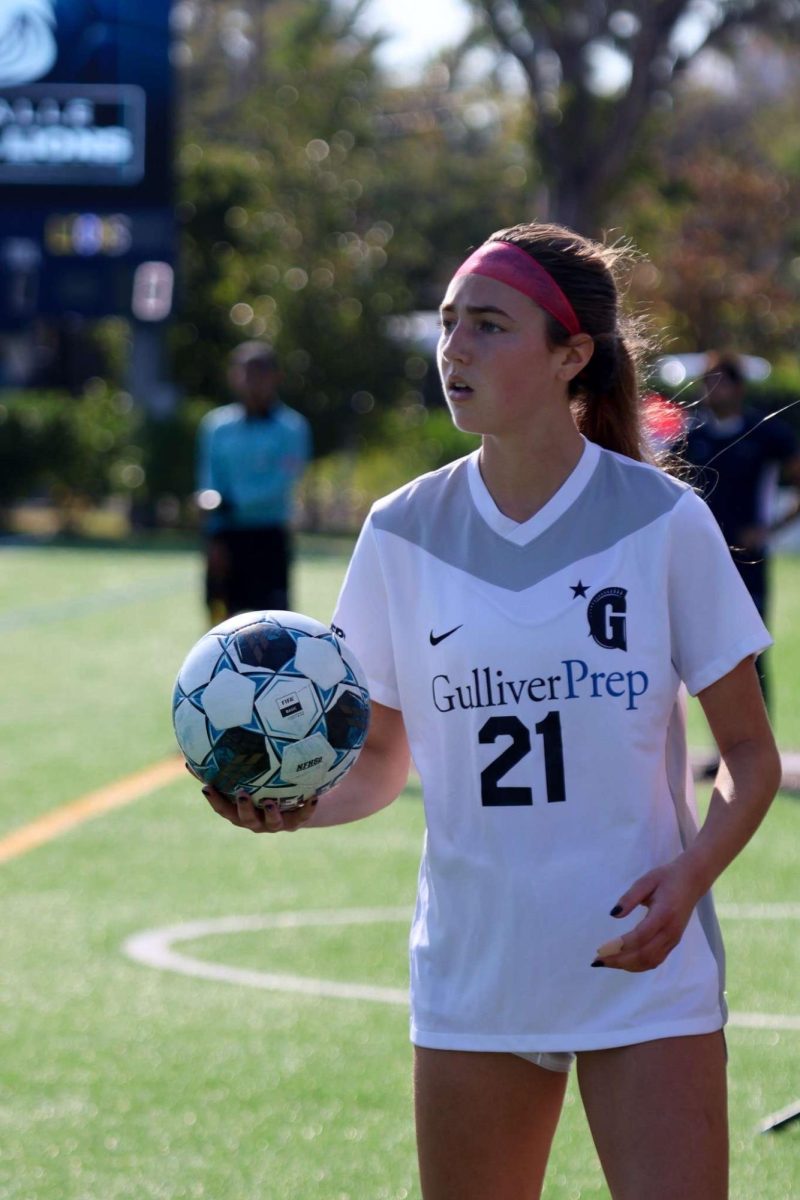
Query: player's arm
[749, 775]
[377, 777]
[748, 778]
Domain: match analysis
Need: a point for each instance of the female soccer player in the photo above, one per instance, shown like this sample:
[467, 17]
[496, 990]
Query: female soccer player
[528, 617]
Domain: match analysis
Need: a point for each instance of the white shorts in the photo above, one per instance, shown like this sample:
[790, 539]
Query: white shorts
[551, 1060]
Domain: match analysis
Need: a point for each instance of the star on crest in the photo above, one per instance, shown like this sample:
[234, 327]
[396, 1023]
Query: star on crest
[578, 589]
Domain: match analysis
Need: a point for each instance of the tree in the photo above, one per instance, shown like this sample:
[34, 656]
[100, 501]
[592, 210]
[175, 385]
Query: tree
[716, 210]
[277, 153]
[318, 202]
[586, 131]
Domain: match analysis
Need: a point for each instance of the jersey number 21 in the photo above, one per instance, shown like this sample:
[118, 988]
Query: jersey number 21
[549, 729]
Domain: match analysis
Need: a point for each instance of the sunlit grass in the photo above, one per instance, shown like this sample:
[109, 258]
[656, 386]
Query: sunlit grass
[121, 1081]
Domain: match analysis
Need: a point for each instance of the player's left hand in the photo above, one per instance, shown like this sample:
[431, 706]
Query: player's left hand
[669, 895]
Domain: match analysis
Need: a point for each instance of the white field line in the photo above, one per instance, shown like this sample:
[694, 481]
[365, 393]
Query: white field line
[154, 948]
[760, 912]
[780, 1021]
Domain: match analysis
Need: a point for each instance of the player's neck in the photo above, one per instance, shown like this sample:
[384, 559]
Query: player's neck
[521, 477]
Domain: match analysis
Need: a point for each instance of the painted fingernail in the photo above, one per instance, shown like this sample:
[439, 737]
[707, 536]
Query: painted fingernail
[616, 910]
[598, 962]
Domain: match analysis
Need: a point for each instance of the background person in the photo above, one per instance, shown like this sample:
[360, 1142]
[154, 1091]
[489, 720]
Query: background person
[739, 457]
[526, 617]
[250, 456]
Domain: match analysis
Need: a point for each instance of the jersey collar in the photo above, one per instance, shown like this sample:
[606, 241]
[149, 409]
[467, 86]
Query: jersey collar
[520, 533]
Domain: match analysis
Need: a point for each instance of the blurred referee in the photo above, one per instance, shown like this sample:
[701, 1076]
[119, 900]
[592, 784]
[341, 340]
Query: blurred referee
[739, 458]
[250, 455]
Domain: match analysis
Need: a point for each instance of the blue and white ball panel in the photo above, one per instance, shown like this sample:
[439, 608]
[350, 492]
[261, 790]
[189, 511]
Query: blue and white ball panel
[191, 730]
[200, 664]
[228, 699]
[267, 702]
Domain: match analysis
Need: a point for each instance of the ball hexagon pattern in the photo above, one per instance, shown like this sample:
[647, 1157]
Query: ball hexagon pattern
[199, 664]
[306, 763]
[191, 730]
[321, 662]
[259, 647]
[228, 699]
[272, 703]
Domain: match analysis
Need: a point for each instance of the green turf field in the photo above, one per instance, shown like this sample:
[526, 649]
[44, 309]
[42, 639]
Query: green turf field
[121, 1079]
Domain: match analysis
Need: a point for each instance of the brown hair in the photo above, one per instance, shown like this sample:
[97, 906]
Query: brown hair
[605, 395]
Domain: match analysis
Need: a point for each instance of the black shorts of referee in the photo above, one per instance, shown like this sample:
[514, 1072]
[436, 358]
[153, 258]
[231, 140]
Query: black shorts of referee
[255, 570]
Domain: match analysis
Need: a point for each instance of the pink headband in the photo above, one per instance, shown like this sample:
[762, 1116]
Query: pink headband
[512, 265]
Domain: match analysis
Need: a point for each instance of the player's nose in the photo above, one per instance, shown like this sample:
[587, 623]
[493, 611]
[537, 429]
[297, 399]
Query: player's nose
[454, 346]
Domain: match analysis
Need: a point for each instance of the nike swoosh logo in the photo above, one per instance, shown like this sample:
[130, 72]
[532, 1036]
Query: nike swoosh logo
[435, 640]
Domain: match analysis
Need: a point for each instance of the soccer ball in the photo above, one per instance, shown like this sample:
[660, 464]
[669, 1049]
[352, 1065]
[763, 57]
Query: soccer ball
[271, 703]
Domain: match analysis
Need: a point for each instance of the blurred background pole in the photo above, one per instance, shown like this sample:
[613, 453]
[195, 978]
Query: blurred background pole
[149, 379]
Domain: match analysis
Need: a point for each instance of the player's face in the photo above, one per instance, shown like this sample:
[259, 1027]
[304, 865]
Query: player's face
[499, 373]
[723, 395]
[256, 384]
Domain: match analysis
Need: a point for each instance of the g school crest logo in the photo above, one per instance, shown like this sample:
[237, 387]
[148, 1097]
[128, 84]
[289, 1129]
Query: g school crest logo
[607, 615]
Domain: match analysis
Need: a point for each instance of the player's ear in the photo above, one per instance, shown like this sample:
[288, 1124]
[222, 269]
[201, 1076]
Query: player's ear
[574, 355]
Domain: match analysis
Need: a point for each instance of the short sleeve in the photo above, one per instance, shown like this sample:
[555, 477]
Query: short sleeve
[361, 618]
[713, 620]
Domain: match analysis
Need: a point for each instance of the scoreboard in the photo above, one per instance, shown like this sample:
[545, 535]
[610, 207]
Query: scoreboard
[86, 206]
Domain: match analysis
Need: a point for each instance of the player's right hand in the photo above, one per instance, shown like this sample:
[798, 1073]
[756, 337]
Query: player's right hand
[240, 810]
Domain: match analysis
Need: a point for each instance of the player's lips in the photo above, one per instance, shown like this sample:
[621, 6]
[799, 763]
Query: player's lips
[457, 389]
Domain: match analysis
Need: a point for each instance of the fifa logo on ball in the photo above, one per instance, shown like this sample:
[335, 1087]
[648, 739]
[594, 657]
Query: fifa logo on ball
[290, 705]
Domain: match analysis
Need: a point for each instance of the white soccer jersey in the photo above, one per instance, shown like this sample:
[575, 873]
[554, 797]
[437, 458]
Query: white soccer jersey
[538, 667]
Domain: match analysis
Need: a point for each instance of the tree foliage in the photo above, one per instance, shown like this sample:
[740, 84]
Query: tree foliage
[318, 201]
[717, 212]
[585, 131]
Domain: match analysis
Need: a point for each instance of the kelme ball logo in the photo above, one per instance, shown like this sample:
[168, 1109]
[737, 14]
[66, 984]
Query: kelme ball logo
[28, 47]
[607, 619]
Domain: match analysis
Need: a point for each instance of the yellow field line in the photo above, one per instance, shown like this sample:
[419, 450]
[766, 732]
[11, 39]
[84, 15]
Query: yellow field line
[62, 819]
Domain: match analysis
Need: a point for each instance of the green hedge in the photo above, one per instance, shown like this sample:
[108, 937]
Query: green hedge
[65, 449]
[69, 451]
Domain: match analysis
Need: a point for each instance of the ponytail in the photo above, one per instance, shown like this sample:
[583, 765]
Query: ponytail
[606, 404]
